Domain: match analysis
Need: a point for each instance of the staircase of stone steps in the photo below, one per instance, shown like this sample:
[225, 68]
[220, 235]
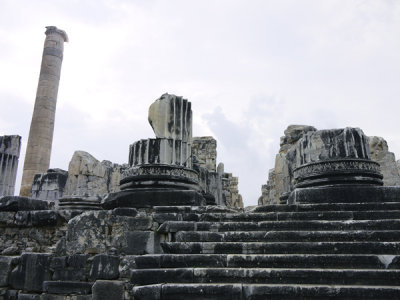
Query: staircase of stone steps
[303, 251]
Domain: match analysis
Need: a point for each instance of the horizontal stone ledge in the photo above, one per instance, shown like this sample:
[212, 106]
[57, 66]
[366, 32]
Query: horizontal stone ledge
[384, 248]
[345, 194]
[42, 218]
[312, 225]
[290, 261]
[137, 198]
[289, 236]
[228, 291]
[16, 203]
[305, 207]
[262, 275]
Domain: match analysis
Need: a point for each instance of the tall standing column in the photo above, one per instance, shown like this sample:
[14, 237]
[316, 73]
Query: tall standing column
[37, 158]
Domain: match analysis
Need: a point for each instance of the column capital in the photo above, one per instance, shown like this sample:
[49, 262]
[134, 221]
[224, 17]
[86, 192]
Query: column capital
[54, 29]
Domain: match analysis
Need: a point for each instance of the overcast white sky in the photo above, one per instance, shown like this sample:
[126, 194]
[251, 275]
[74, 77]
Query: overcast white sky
[250, 69]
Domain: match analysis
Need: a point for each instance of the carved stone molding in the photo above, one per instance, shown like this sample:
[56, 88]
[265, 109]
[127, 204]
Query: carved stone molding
[337, 171]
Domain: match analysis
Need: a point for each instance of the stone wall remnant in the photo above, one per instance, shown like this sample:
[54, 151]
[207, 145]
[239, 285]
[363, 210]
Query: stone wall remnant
[279, 180]
[49, 186]
[223, 187]
[380, 153]
[10, 147]
[230, 191]
[38, 151]
[88, 177]
[205, 150]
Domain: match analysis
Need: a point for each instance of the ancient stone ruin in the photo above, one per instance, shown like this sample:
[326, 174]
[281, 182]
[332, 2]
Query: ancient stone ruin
[170, 224]
[38, 150]
[301, 138]
[10, 147]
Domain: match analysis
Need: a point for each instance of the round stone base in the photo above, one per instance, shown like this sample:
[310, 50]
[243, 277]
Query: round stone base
[343, 171]
[160, 176]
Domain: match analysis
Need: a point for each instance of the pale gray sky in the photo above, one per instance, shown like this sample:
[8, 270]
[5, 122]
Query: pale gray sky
[250, 68]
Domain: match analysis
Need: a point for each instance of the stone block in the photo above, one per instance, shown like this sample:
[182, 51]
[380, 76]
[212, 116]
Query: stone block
[16, 203]
[31, 272]
[67, 287]
[6, 265]
[127, 263]
[87, 176]
[49, 186]
[147, 292]
[7, 219]
[380, 153]
[102, 232]
[106, 290]
[125, 211]
[151, 198]
[53, 297]
[170, 117]
[11, 295]
[69, 268]
[104, 267]
[28, 297]
[202, 291]
[345, 194]
[142, 242]
[36, 218]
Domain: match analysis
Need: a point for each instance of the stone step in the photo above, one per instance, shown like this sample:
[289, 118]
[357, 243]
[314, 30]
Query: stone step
[313, 225]
[196, 209]
[314, 215]
[288, 236]
[266, 275]
[278, 216]
[389, 248]
[328, 207]
[333, 261]
[230, 291]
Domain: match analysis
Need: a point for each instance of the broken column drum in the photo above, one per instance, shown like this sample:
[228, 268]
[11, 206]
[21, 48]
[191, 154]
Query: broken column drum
[10, 146]
[336, 164]
[38, 151]
[339, 156]
[161, 168]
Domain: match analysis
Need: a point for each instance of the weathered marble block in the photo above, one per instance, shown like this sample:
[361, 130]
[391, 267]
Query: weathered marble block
[170, 117]
[49, 186]
[160, 151]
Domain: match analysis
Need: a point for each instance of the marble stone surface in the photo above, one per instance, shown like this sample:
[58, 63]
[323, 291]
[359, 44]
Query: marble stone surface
[10, 147]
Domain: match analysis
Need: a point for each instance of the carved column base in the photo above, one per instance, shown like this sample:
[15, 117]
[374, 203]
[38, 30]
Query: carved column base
[157, 185]
[338, 171]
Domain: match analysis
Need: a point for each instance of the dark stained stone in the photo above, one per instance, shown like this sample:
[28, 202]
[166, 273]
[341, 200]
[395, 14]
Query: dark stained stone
[6, 265]
[104, 267]
[67, 287]
[16, 203]
[107, 290]
[31, 272]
